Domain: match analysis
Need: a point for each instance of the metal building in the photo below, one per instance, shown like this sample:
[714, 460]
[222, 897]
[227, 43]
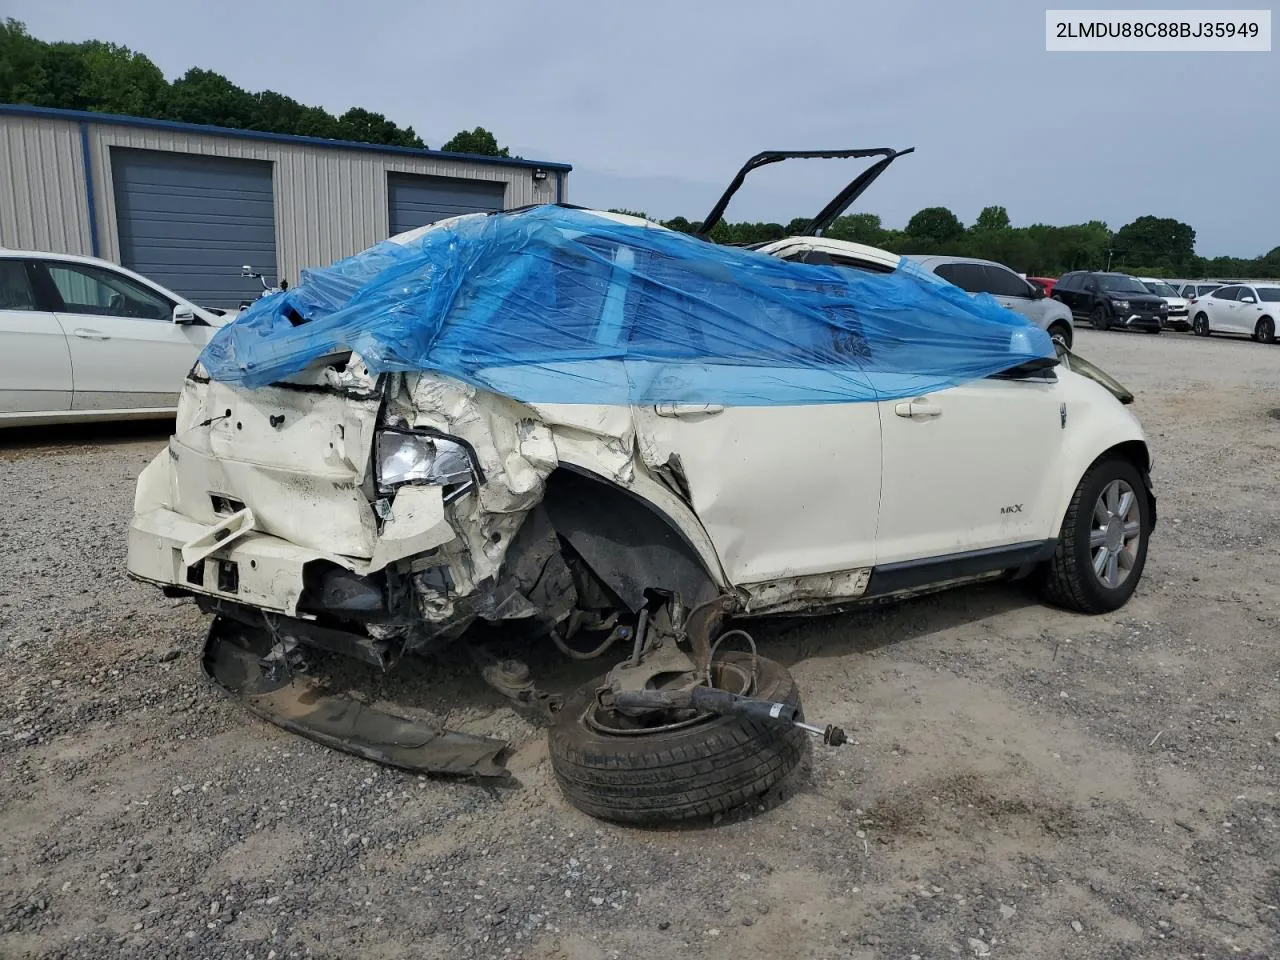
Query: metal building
[188, 205]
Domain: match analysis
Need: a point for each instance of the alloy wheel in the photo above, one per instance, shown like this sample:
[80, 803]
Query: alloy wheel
[1116, 533]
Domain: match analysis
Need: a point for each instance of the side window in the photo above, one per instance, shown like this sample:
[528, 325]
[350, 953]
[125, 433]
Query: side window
[93, 290]
[1227, 293]
[1005, 283]
[1066, 283]
[15, 286]
[1090, 283]
[969, 277]
[863, 266]
[1247, 292]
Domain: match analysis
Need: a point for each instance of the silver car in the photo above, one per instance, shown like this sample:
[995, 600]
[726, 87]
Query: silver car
[985, 276]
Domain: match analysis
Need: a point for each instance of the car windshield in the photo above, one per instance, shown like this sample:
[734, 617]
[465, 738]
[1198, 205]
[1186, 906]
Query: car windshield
[1160, 288]
[1121, 285]
[1269, 294]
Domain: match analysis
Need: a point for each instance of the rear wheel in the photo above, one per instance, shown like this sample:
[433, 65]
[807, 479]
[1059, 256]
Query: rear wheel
[1099, 318]
[610, 768]
[1265, 331]
[1102, 547]
[1200, 325]
[1061, 332]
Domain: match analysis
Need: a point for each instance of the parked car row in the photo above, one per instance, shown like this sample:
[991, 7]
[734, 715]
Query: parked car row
[85, 339]
[1250, 309]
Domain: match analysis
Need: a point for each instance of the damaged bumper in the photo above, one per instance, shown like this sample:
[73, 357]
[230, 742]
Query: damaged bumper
[243, 662]
[258, 570]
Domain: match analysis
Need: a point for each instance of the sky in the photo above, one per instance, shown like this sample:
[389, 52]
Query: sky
[657, 104]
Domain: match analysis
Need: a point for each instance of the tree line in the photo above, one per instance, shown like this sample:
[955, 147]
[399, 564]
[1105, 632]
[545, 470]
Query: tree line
[109, 78]
[1149, 246]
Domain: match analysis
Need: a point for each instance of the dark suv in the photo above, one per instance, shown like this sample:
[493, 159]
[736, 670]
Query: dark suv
[1111, 300]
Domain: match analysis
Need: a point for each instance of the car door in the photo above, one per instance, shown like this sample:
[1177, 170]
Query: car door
[35, 361]
[1062, 291]
[941, 497]
[126, 350]
[1248, 310]
[1013, 292]
[1073, 295]
[783, 490]
[1220, 306]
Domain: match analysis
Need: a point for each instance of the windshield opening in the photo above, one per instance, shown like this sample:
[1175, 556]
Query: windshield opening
[1121, 285]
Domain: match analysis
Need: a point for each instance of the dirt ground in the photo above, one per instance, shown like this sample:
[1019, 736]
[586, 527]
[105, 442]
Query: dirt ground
[1022, 782]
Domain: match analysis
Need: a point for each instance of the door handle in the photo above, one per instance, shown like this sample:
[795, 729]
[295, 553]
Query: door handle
[917, 409]
[84, 334]
[687, 409]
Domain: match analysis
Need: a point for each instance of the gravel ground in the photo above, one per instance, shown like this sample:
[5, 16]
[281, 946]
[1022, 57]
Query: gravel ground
[1023, 782]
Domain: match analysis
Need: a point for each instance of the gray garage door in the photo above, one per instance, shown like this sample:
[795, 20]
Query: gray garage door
[189, 222]
[415, 200]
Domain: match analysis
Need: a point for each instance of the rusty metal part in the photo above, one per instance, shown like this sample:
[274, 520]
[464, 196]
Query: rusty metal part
[702, 623]
[512, 679]
[665, 658]
[233, 661]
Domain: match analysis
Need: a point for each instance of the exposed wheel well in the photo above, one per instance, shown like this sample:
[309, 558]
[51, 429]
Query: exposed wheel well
[629, 544]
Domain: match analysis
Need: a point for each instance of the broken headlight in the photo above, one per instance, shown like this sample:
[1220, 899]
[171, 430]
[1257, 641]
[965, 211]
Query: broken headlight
[402, 456]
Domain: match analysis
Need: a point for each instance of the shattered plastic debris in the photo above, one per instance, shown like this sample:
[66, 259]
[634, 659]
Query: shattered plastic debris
[555, 305]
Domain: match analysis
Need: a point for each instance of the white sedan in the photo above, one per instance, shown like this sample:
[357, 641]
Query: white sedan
[1250, 309]
[85, 339]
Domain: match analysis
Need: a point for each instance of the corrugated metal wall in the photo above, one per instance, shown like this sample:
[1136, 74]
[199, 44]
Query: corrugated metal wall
[329, 202]
[43, 203]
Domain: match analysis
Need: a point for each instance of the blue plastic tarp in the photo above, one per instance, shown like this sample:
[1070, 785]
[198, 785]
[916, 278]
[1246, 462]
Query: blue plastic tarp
[556, 305]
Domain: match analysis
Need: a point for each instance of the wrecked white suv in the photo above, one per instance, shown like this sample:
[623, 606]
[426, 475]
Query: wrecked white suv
[846, 447]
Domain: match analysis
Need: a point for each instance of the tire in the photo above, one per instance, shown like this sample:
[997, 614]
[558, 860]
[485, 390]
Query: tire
[1200, 325]
[1100, 319]
[1070, 579]
[694, 771]
[1061, 331]
[1265, 331]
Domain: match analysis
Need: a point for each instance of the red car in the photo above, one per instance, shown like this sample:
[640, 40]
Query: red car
[1044, 283]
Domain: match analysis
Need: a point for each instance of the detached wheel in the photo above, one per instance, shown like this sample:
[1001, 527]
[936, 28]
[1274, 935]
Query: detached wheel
[1102, 547]
[1099, 318]
[614, 769]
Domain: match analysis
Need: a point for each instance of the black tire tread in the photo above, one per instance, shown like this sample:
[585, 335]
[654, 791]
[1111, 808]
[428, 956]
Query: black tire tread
[1061, 580]
[714, 766]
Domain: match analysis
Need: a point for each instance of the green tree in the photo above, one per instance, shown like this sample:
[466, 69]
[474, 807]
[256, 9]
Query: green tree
[479, 141]
[858, 228]
[109, 78]
[1156, 241]
[202, 96]
[369, 127]
[991, 218]
[22, 66]
[117, 80]
[934, 226]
